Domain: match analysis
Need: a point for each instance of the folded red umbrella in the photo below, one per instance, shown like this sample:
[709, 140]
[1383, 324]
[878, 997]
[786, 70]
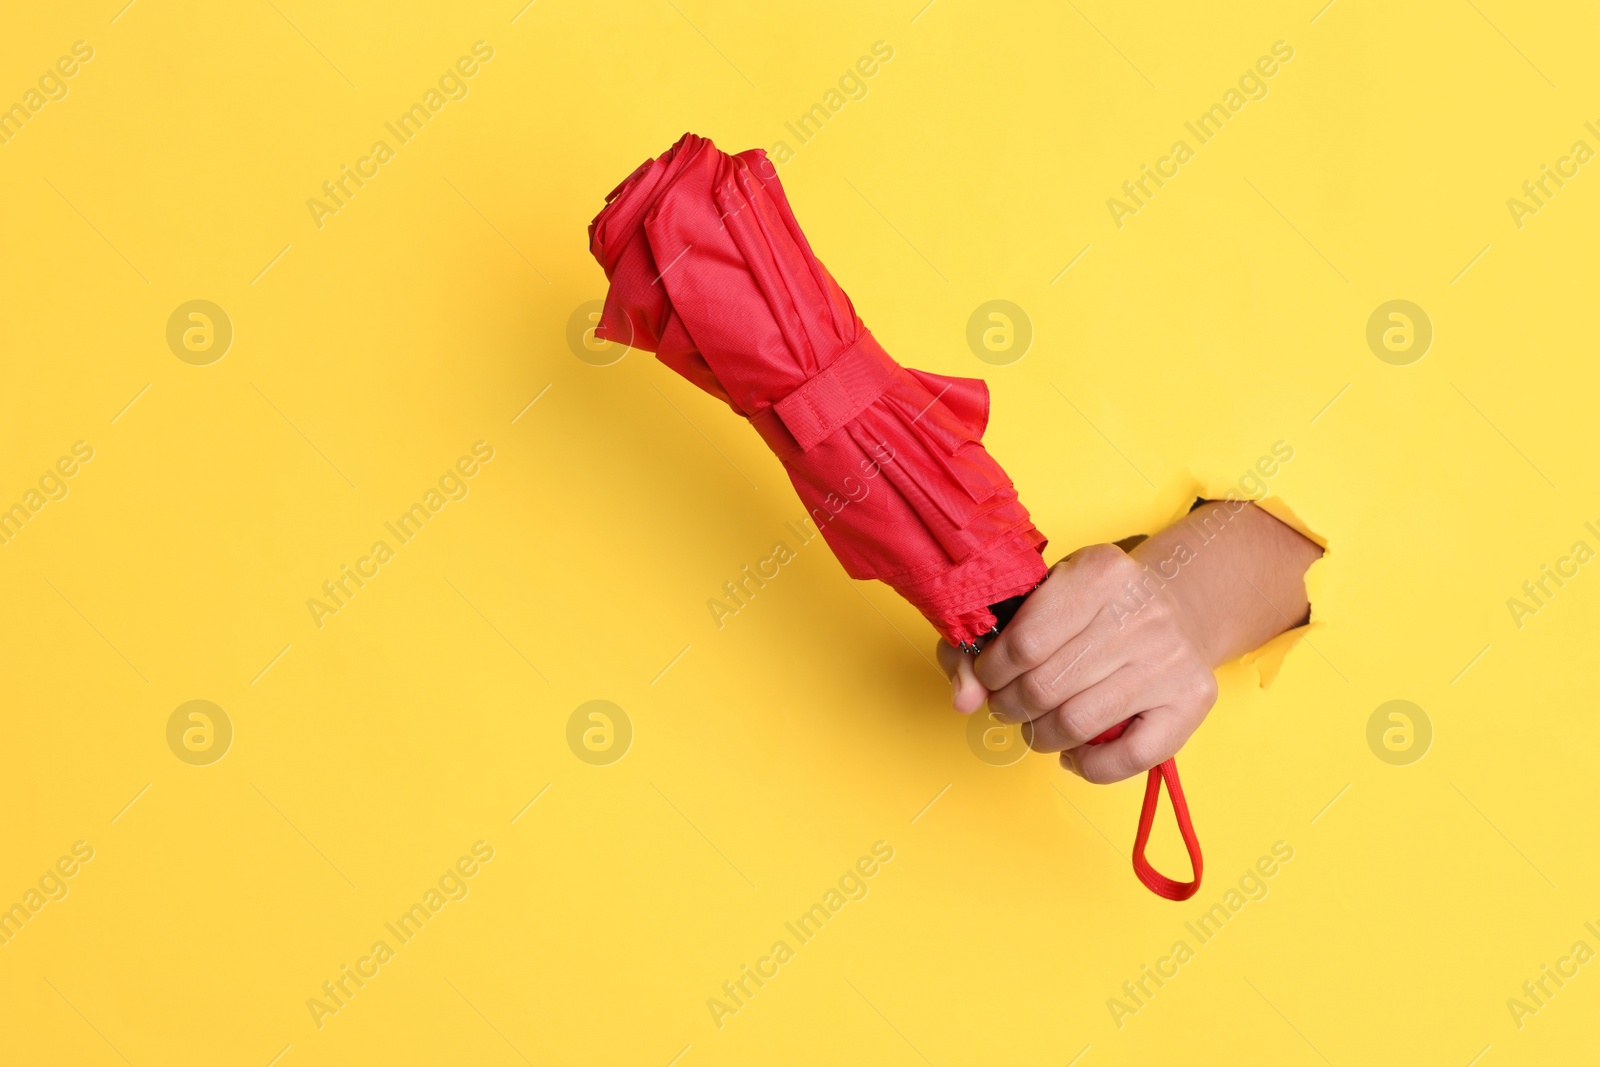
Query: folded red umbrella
[709, 270]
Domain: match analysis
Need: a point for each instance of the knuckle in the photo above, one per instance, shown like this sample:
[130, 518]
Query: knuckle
[1093, 714]
[1120, 565]
[1142, 754]
[1159, 612]
[1203, 689]
[1028, 646]
[1123, 580]
[1076, 725]
[1098, 560]
[1036, 691]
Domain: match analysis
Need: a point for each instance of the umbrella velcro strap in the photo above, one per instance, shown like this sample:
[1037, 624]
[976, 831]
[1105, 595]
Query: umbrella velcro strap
[829, 399]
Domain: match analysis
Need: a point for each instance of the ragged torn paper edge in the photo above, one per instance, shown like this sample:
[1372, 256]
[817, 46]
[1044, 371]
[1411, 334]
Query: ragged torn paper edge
[1268, 659]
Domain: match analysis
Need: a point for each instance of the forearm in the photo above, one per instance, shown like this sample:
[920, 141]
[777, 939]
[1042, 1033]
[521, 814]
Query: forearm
[1234, 575]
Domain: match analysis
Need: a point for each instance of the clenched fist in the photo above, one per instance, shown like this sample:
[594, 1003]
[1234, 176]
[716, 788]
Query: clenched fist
[1111, 637]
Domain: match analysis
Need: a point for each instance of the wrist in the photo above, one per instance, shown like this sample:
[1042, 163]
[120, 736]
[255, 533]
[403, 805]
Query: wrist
[1164, 558]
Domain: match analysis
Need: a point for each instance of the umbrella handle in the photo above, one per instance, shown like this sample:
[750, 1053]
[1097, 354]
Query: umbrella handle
[1165, 773]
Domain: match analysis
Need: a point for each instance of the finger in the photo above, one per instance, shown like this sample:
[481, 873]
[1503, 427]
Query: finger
[1089, 713]
[1152, 737]
[967, 694]
[1053, 614]
[1079, 664]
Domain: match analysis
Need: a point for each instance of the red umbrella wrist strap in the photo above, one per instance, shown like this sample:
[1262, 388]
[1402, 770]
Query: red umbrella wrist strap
[1153, 879]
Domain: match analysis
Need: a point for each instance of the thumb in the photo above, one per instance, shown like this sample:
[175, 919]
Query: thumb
[967, 694]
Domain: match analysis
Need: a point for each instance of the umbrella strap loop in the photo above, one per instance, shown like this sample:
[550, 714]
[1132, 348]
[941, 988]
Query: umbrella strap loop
[829, 399]
[1154, 880]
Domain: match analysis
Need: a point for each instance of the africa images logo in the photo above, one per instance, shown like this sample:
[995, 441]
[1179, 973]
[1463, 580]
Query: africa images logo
[1252, 85]
[340, 590]
[452, 85]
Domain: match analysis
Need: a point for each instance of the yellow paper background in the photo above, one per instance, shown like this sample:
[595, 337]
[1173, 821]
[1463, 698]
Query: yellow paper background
[767, 756]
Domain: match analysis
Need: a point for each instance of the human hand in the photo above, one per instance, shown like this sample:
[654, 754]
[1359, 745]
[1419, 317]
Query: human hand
[1086, 652]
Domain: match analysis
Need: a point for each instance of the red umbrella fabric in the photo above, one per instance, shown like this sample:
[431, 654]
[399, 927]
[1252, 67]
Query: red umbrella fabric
[710, 271]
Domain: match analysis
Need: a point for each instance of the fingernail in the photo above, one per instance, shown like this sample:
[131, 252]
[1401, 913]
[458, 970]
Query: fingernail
[1070, 762]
